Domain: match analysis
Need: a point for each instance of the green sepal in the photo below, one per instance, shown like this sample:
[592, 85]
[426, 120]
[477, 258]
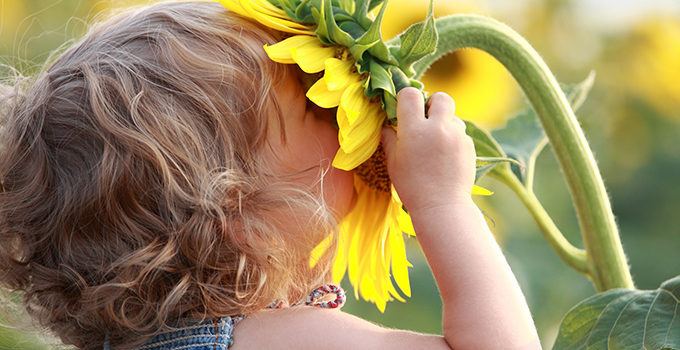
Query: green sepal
[373, 4]
[417, 84]
[390, 107]
[342, 17]
[321, 29]
[358, 50]
[331, 28]
[352, 28]
[418, 41]
[287, 6]
[346, 5]
[399, 79]
[380, 79]
[361, 13]
[372, 40]
[303, 12]
[381, 52]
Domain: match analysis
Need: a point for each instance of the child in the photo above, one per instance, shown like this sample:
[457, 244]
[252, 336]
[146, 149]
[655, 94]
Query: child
[163, 182]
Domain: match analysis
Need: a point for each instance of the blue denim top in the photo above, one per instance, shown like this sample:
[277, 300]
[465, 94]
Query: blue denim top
[210, 335]
[203, 335]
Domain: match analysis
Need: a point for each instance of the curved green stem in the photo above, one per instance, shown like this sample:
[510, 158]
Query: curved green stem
[606, 259]
[574, 257]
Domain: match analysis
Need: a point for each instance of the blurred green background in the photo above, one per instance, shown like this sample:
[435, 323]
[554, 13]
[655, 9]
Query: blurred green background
[632, 119]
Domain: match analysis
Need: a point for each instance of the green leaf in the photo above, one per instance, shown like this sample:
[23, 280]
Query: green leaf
[486, 164]
[489, 153]
[523, 138]
[484, 169]
[577, 93]
[418, 41]
[485, 145]
[625, 319]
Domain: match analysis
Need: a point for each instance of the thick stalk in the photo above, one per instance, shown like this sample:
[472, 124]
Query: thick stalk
[606, 259]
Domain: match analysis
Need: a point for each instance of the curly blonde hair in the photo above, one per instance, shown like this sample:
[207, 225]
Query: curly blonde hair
[133, 191]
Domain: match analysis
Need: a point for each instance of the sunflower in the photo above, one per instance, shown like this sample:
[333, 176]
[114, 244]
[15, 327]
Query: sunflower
[370, 241]
[370, 246]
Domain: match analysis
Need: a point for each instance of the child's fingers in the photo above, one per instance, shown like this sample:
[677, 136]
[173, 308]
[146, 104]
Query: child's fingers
[410, 107]
[389, 138]
[441, 106]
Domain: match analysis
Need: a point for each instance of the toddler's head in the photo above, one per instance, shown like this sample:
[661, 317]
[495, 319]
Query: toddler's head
[162, 168]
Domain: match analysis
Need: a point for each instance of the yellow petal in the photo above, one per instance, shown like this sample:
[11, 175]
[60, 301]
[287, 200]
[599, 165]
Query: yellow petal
[391, 289]
[279, 24]
[348, 161]
[403, 219]
[267, 14]
[363, 133]
[399, 261]
[373, 114]
[480, 191]
[405, 223]
[340, 260]
[311, 56]
[235, 5]
[318, 251]
[393, 292]
[322, 97]
[353, 264]
[354, 102]
[264, 7]
[272, 16]
[338, 73]
[281, 51]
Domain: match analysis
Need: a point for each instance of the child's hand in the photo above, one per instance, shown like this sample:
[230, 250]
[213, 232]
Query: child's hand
[431, 161]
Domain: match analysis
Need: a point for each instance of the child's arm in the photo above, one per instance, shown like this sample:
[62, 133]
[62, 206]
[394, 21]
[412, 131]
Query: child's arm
[432, 165]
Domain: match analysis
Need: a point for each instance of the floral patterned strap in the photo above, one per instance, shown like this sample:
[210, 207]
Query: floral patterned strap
[315, 297]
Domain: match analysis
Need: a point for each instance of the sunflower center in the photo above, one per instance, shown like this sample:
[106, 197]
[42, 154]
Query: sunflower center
[374, 171]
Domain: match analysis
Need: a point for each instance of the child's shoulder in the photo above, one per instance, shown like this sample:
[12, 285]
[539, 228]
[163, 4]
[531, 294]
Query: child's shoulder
[306, 327]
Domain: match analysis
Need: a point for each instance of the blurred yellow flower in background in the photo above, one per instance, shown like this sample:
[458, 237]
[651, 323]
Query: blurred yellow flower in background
[654, 74]
[484, 91]
[11, 15]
